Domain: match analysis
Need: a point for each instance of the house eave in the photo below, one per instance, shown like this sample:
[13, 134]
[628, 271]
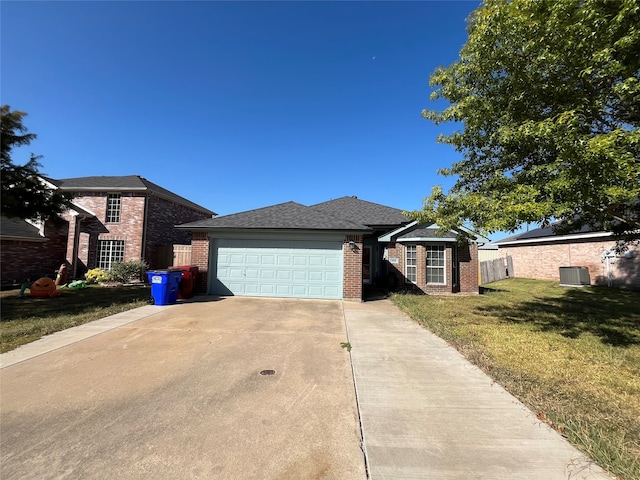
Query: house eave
[426, 239]
[17, 238]
[209, 229]
[559, 238]
[146, 190]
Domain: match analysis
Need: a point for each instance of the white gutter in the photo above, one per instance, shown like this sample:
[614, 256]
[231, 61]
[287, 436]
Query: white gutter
[560, 238]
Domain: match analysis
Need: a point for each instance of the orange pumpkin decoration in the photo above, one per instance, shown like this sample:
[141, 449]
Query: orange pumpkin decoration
[43, 287]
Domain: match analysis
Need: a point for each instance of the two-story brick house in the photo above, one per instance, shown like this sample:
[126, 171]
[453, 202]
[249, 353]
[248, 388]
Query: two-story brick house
[112, 218]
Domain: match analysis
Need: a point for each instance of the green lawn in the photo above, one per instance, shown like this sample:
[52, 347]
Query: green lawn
[26, 319]
[571, 354]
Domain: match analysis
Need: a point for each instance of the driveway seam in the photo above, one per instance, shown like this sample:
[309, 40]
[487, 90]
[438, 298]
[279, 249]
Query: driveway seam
[363, 447]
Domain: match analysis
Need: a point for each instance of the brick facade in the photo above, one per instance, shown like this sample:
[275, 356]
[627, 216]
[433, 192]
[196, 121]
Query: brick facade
[467, 266]
[543, 260]
[200, 258]
[146, 225]
[25, 261]
[352, 268]
[143, 234]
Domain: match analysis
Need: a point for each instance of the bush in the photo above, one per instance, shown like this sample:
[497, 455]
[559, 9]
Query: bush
[97, 275]
[126, 271]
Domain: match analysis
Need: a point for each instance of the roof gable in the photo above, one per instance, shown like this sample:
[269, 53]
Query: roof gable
[415, 232]
[365, 213]
[126, 183]
[287, 216]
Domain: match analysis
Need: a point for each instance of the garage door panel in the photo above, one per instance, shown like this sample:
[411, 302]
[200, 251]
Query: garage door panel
[333, 277]
[252, 273]
[304, 269]
[333, 262]
[283, 275]
[253, 259]
[267, 274]
[268, 260]
[300, 275]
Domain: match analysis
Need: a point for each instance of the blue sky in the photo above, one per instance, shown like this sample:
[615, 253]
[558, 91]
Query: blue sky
[236, 105]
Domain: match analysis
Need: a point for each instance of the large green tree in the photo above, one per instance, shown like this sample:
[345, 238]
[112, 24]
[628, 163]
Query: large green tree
[546, 96]
[24, 194]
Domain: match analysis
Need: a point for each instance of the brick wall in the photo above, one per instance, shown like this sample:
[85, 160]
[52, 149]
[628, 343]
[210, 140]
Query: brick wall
[162, 216]
[200, 258]
[467, 265]
[543, 260]
[129, 228]
[352, 267]
[23, 261]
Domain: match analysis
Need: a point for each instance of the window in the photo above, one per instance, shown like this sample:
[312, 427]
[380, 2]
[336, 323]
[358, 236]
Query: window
[411, 264]
[435, 264]
[110, 252]
[113, 207]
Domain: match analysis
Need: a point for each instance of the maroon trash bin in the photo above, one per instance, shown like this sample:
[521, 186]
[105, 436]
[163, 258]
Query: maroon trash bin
[188, 283]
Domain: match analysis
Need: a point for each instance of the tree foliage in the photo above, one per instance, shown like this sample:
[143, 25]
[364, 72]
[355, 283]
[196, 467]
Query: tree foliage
[24, 194]
[548, 96]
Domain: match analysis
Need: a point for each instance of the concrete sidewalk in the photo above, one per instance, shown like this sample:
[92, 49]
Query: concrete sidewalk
[60, 339]
[427, 413]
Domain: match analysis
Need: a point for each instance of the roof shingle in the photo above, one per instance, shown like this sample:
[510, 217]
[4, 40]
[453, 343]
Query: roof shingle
[363, 212]
[288, 216]
[125, 183]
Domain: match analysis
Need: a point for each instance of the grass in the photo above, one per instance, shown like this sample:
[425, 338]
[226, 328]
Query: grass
[26, 319]
[571, 354]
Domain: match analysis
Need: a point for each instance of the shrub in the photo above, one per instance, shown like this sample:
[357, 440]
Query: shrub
[126, 271]
[96, 275]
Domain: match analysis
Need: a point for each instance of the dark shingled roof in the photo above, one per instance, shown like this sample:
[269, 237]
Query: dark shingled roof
[363, 212]
[545, 233]
[289, 216]
[19, 229]
[127, 183]
[427, 233]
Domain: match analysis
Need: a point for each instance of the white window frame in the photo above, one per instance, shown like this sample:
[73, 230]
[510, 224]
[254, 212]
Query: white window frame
[110, 252]
[443, 267]
[411, 263]
[114, 207]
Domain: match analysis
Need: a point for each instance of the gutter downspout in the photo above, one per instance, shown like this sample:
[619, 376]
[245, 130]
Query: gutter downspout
[76, 244]
[143, 250]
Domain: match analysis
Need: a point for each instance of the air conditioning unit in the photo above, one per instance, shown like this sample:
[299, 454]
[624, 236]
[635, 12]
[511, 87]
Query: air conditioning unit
[574, 277]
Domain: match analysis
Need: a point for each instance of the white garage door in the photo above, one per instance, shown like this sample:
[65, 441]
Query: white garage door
[296, 269]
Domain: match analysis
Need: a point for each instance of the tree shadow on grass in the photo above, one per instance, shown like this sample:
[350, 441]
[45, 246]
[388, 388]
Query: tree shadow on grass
[610, 314]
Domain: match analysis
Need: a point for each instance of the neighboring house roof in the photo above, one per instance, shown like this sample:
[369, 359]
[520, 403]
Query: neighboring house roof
[127, 183]
[415, 232]
[488, 246]
[363, 212]
[547, 234]
[288, 216]
[18, 229]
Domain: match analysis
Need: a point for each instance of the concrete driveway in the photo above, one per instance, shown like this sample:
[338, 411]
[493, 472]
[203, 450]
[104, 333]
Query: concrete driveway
[179, 394]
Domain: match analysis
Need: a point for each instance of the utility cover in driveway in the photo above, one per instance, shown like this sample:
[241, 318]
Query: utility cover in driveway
[277, 268]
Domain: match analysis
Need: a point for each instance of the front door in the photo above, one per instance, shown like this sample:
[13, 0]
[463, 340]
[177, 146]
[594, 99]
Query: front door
[366, 265]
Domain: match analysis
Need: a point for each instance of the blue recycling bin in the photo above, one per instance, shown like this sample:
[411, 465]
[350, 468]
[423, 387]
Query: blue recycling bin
[164, 286]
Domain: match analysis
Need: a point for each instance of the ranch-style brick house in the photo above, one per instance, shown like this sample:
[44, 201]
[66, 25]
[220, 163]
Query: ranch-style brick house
[330, 250]
[111, 219]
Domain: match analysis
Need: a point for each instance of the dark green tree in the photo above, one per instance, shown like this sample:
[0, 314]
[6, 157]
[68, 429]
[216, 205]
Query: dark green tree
[547, 97]
[24, 194]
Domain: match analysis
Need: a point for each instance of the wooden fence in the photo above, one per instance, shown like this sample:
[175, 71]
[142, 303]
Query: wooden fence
[181, 255]
[497, 269]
